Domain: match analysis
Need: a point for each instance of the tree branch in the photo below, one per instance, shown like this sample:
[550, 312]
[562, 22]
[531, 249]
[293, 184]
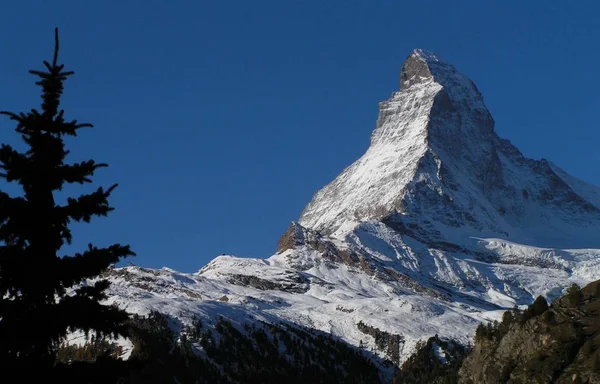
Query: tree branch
[79, 172]
[74, 269]
[86, 206]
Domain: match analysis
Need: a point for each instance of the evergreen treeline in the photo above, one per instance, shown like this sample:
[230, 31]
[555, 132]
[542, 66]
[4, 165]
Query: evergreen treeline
[424, 366]
[222, 353]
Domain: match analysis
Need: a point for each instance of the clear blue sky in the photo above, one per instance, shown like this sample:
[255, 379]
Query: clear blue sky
[220, 119]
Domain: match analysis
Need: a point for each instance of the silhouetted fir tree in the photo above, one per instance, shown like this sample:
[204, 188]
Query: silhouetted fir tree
[36, 309]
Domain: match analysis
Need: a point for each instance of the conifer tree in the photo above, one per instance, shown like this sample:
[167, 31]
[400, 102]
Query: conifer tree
[42, 292]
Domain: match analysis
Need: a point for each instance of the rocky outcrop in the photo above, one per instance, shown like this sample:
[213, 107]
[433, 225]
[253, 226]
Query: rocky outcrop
[557, 345]
[293, 284]
[299, 236]
[146, 279]
[414, 70]
[293, 237]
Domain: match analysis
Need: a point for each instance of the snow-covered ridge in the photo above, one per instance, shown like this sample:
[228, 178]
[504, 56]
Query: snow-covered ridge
[375, 276]
[441, 224]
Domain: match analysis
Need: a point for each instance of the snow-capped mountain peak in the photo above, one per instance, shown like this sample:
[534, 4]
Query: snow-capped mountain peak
[435, 162]
[441, 224]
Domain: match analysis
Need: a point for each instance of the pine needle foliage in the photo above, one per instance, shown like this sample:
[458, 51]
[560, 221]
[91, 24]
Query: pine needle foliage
[43, 294]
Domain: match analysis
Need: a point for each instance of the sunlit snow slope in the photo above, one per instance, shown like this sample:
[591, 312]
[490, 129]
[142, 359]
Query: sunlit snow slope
[441, 224]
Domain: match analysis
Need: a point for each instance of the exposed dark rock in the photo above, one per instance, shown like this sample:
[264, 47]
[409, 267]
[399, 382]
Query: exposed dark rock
[293, 237]
[413, 71]
[149, 282]
[294, 284]
[409, 282]
[343, 309]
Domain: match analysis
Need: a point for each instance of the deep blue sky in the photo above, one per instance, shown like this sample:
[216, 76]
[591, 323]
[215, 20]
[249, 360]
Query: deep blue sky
[220, 119]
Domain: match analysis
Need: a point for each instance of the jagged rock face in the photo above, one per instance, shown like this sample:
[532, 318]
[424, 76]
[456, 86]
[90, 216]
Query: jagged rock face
[558, 345]
[414, 71]
[436, 160]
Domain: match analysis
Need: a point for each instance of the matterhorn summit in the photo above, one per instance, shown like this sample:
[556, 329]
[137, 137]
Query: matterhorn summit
[439, 226]
[436, 168]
